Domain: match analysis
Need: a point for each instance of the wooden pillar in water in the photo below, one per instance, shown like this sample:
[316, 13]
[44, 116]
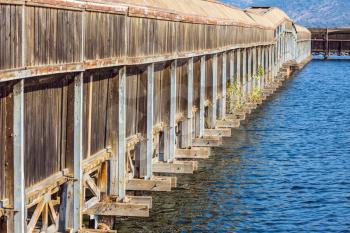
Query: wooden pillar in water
[172, 112]
[149, 127]
[253, 78]
[222, 102]
[122, 133]
[260, 51]
[77, 152]
[232, 80]
[244, 75]
[19, 223]
[186, 129]
[200, 121]
[213, 106]
[249, 75]
[238, 77]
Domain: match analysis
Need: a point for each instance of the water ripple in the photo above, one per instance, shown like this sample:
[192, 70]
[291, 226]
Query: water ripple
[287, 169]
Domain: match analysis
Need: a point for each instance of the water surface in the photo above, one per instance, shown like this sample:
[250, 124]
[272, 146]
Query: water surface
[287, 169]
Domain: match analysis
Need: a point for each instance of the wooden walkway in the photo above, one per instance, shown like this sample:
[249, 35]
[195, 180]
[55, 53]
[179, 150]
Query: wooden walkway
[100, 100]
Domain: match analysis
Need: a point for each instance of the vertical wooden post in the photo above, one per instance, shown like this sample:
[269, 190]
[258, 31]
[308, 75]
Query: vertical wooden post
[222, 111]
[149, 147]
[249, 75]
[77, 152]
[232, 81]
[202, 97]
[122, 133]
[213, 107]
[18, 158]
[259, 52]
[244, 73]
[238, 78]
[254, 81]
[188, 136]
[262, 54]
[172, 120]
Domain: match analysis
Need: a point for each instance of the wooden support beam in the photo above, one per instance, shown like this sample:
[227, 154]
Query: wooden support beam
[222, 105]
[213, 106]
[249, 75]
[244, 75]
[207, 141]
[193, 153]
[229, 124]
[155, 184]
[238, 73]
[217, 132]
[232, 80]
[122, 133]
[188, 127]
[172, 112]
[176, 167]
[77, 152]
[201, 98]
[18, 158]
[118, 209]
[97, 231]
[140, 200]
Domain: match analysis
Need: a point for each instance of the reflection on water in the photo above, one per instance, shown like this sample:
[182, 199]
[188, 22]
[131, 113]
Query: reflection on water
[287, 169]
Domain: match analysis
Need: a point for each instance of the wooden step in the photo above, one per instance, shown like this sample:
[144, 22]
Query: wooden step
[155, 184]
[218, 132]
[228, 124]
[118, 209]
[176, 167]
[193, 153]
[207, 141]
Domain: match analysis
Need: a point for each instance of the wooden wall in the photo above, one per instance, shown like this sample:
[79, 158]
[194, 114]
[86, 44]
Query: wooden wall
[196, 81]
[54, 36]
[181, 86]
[100, 111]
[48, 119]
[6, 164]
[10, 36]
[136, 100]
[161, 90]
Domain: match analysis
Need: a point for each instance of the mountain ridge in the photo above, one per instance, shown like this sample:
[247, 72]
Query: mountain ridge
[310, 13]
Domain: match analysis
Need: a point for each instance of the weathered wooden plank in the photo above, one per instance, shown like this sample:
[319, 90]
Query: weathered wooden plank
[118, 209]
[140, 200]
[207, 141]
[193, 153]
[217, 132]
[176, 167]
[228, 124]
[156, 183]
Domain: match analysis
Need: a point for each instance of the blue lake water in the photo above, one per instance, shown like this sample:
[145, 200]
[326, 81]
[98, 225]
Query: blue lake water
[287, 169]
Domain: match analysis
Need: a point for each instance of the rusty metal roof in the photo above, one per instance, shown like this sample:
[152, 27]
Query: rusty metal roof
[302, 32]
[275, 15]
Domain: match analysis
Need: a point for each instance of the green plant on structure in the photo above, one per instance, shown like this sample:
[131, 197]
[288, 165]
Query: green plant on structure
[256, 95]
[232, 90]
[238, 105]
[260, 73]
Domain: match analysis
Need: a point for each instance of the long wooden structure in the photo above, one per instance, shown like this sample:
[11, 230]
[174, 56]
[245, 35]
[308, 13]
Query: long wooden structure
[102, 98]
[330, 41]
